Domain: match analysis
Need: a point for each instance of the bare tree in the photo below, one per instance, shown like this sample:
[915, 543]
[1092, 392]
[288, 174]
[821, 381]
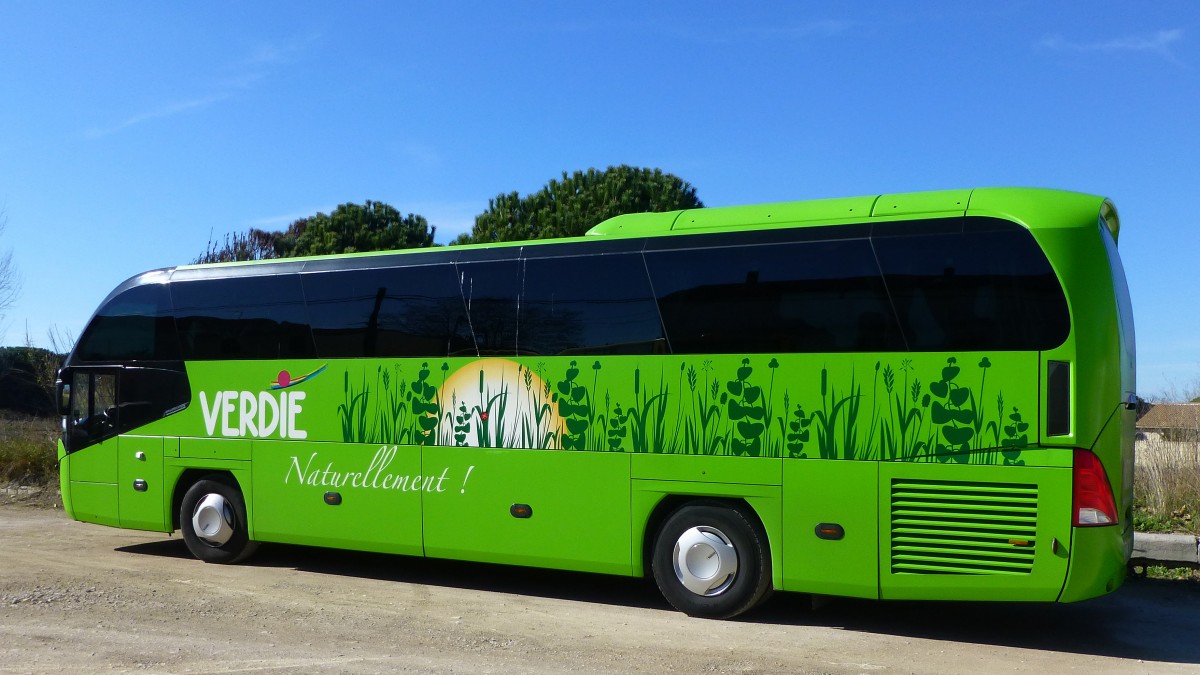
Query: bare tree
[62, 340]
[10, 280]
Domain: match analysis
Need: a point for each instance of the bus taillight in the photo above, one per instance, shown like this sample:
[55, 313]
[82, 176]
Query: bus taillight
[1092, 499]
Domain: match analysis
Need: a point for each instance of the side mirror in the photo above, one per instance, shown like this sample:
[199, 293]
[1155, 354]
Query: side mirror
[64, 395]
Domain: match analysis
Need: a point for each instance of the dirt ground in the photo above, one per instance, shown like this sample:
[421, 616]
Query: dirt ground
[84, 598]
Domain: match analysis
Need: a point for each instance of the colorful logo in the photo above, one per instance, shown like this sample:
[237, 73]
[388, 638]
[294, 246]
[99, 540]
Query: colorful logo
[286, 380]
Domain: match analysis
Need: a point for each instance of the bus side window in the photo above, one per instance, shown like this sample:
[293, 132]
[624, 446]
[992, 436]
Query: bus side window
[149, 394]
[81, 397]
[243, 318]
[388, 311]
[93, 412]
[802, 297]
[104, 403]
[588, 305]
[975, 290]
[134, 325]
[488, 290]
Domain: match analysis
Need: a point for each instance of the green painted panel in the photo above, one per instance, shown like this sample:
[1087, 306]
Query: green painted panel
[842, 493]
[822, 211]
[174, 466]
[380, 488]
[95, 463]
[579, 502]
[700, 468]
[141, 458]
[696, 489]
[93, 483]
[1099, 564]
[949, 202]
[973, 532]
[634, 224]
[214, 448]
[1036, 208]
[95, 503]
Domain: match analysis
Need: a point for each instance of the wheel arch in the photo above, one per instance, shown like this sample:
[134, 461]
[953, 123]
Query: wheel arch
[736, 563]
[671, 503]
[191, 476]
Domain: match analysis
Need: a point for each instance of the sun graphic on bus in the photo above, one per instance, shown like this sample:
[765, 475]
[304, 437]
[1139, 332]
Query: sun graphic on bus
[285, 379]
[500, 403]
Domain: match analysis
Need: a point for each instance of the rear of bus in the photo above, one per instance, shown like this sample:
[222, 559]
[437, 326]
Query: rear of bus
[1087, 383]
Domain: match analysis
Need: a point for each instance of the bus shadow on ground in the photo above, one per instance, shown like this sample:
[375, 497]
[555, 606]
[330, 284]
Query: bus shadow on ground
[1150, 619]
[1154, 620]
[546, 583]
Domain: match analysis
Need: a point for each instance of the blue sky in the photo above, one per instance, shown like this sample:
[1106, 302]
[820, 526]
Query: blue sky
[132, 133]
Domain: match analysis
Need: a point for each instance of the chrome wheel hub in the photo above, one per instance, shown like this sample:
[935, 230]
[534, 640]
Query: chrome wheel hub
[213, 520]
[705, 561]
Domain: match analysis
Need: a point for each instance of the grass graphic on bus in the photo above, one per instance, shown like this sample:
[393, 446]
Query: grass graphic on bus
[726, 406]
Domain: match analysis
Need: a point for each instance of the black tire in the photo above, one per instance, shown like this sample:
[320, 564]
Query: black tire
[231, 542]
[702, 528]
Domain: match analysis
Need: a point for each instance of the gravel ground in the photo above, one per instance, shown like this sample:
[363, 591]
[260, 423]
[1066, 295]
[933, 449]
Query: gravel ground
[84, 598]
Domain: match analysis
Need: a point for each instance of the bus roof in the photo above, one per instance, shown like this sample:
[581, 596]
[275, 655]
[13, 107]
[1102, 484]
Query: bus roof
[1034, 208]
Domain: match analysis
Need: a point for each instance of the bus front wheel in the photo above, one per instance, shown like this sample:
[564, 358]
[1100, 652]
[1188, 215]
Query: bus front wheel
[213, 519]
[711, 560]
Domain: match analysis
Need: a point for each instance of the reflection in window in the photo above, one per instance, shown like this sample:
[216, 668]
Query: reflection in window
[821, 296]
[588, 305]
[488, 292]
[242, 318]
[974, 290]
[149, 394]
[398, 311]
[135, 325]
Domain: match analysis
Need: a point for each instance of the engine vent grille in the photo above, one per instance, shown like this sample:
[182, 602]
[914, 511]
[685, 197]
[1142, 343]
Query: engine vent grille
[946, 527]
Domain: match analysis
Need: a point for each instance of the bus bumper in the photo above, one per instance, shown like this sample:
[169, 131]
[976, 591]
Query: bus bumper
[1098, 562]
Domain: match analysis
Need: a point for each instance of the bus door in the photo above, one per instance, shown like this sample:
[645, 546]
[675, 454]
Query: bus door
[90, 436]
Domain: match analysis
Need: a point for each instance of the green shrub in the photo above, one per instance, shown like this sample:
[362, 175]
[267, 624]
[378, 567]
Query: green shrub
[28, 453]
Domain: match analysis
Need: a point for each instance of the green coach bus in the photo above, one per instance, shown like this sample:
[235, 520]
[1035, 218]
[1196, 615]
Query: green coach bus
[921, 396]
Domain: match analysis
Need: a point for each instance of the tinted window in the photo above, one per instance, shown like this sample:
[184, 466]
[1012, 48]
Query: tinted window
[149, 394]
[819, 296]
[974, 290]
[134, 325]
[107, 401]
[93, 411]
[399, 311]
[242, 318]
[488, 292]
[588, 305]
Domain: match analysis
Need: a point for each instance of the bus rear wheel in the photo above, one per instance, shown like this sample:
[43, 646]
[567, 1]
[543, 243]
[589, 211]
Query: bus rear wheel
[213, 520]
[711, 560]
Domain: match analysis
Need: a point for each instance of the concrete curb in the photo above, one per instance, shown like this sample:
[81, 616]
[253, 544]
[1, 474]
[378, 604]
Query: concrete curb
[1171, 550]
